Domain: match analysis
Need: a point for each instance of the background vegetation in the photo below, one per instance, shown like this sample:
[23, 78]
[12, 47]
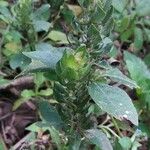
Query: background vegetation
[74, 74]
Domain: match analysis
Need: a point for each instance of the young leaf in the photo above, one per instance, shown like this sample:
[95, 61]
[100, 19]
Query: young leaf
[38, 126]
[114, 101]
[58, 36]
[98, 138]
[138, 38]
[116, 75]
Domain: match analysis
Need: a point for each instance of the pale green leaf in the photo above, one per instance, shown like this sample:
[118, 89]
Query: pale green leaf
[3, 82]
[38, 126]
[58, 37]
[136, 67]
[119, 5]
[48, 58]
[117, 76]
[125, 143]
[41, 25]
[143, 7]
[114, 101]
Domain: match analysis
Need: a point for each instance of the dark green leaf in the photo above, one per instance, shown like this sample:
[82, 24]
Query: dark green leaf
[49, 114]
[19, 60]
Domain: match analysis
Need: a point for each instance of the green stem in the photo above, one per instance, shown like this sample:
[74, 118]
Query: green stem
[110, 130]
[116, 126]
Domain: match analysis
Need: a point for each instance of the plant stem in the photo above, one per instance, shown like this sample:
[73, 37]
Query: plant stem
[110, 130]
[116, 126]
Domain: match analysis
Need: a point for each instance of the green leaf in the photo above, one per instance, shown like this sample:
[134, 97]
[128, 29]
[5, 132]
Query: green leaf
[142, 7]
[58, 37]
[119, 5]
[114, 101]
[42, 13]
[127, 34]
[27, 94]
[125, 143]
[75, 142]
[106, 45]
[47, 92]
[123, 24]
[49, 114]
[56, 137]
[5, 14]
[38, 126]
[2, 144]
[4, 3]
[98, 14]
[107, 5]
[19, 60]
[106, 30]
[3, 82]
[35, 66]
[41, 25]
[136, 67]
[117, 76]
[138, 38]
[39, 79]
[98, 138]
[49, 57]
[108, 15]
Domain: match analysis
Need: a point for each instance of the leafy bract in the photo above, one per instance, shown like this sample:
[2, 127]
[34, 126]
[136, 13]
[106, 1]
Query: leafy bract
[98, 138]
[114, 101]
[116, 75]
